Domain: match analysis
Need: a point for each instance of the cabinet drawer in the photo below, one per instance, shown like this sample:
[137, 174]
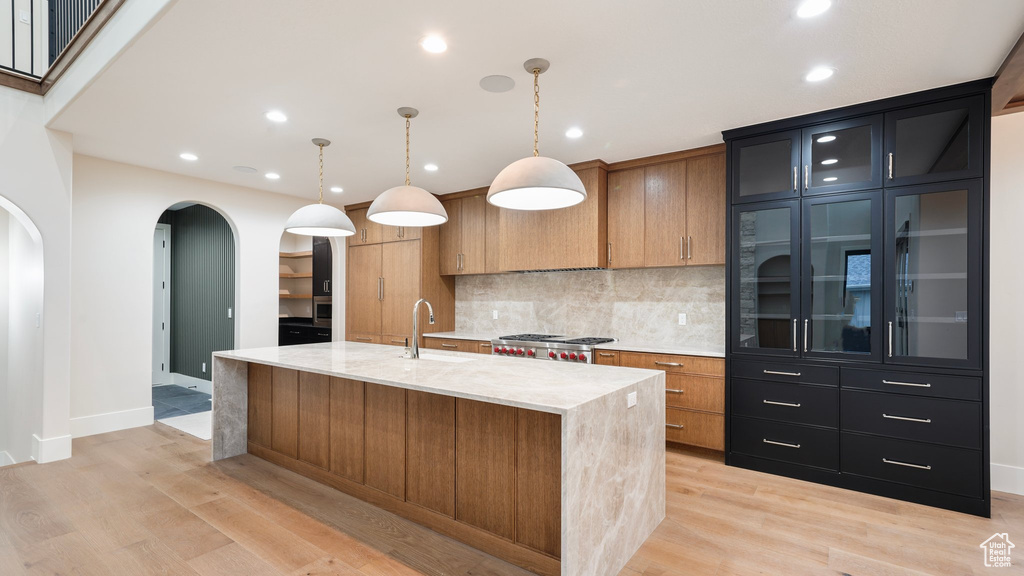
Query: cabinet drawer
[786, 442]
[695, 428]
[364, 338]
[950, 422]
[442, 344]
[796, 403]
[952, 470]
[695, 392]
[606, 357]
[394, 339]
[785, 372]
[476, 346]
[916, 383]
[672, 363]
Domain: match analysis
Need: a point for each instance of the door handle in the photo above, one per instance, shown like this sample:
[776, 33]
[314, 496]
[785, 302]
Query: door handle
[443, 345]
[675, 391]
[891, 171]
[794, 374]
[907, 464]
[796, 171]
[807, 175]
[380, 288]
[657, 363]
[774, 443]
[789, 404]
[609, 254]
[688, 254]
[794, 336]
[894, 383]
[681, 248]
[805, 334]
[890, 339]
[908, 419]
[677, 426]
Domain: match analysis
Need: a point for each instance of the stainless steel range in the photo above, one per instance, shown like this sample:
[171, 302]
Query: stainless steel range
[548, 347]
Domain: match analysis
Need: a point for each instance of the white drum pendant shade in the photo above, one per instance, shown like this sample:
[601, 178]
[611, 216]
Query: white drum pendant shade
[320, 220]
[536, 183]
[407, 206]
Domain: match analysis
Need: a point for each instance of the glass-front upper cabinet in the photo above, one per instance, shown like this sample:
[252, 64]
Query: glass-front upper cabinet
[766, 167]
[842, 270]
[765, 278]
[934, 143]
[933, 274]
[843, 156]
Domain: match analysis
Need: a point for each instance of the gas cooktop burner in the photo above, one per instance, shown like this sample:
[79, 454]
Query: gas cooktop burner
[530, 337]
[590, 341]
[548, 347]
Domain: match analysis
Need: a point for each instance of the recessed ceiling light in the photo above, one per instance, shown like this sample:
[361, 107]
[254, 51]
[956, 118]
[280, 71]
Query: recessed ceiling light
[829, 162]
[276, 116]
[812, 8]
[188, 156]
[272, 175]
[826, 139]
[430, 167]
[337, 189]
[830, 179]
[434, 44]
[573, 132]
[245, 169]
[820, 73]
[497, 83]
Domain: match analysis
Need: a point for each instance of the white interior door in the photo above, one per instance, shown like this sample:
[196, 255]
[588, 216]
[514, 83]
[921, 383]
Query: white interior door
[162, 305]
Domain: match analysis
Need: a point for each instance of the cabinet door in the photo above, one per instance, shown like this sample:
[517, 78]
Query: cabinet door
[842, 269]
[322, 266]
[766, 167]
[430, 445]
[367, 231]
[765, 278]
[935, 143]
[705, 210]
[626, 219]
[284, 435]
[665, 215]
[400, 268]
[346, 444]
[450, 234]
[933, 245]
[843, 156]
[314, 419]
[363, 311]
[474, 234]
[390, 233]
[384, 456]
[492, 258]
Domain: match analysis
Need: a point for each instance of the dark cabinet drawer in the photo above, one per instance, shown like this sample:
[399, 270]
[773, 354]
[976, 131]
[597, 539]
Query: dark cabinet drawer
[916, 383]
[290, 335]
[941, 468]
[950, 422]
[797, 403]
[786, 442]
[785, 372]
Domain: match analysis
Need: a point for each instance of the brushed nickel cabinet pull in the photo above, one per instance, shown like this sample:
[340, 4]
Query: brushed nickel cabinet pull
[681, 248]
[890, 166]
[907, 464]
[774, 403]
[908, 419]
[675, 391]
[896, 383]
[774, 443]
[807, 176]
[449, 345]
[381, 288]
[657, 363]
[890, 339]
[485, 345]
[361, 339]
[805, 334]
[393, 341]
[605, 355]
[689, 255]
[794, 374]
[679, 426]
[609, 253]
[795, 178]
[794, 335]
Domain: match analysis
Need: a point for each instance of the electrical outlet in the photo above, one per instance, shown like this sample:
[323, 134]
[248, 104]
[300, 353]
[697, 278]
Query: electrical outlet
[494, 314]
[204, 367]
[682, 319]
[230, 313]
[24, 17]
[631, 400]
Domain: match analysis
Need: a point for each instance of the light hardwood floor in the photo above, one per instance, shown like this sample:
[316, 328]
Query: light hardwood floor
[149, 501]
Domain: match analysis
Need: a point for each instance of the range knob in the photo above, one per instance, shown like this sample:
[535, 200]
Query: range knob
[572, 356]
[530, 352]
[504, 350]
[582, 357]
[564, 355]
[551, 355]
[519, 352]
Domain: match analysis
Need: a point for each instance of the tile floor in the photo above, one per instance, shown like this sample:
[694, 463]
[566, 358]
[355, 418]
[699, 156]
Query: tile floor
[171, 400]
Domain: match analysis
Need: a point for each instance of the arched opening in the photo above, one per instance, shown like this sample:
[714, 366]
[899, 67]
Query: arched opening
[307, 294]
[21, 333]
[194, 315]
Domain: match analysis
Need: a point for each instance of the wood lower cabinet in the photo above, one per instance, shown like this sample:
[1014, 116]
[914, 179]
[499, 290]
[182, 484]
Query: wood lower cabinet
[694, 394]
[363, 314]
[365, 338]
[453, 345]
[485, 474]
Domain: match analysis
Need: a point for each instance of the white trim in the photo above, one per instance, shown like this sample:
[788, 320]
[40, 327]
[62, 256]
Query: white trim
[51, 449]
[1006, 478]
[189, 381]
[5, 459]
[102, 423]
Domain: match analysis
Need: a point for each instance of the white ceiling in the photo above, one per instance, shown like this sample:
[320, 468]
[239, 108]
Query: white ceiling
[640, 78]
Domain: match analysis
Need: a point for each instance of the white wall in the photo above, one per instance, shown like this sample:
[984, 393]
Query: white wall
[115, 208]
[5, 410]
[1006, 338]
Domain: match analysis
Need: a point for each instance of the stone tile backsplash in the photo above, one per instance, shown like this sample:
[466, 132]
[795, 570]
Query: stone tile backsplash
[640, 305]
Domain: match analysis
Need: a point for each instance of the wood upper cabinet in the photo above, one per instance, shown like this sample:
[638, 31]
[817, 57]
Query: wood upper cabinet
[665, 214]
[364, 278]
[626, 219]
[463, 236]
[705, 210]
[492, 256]
[400, 233]
[400, 288]
[367, 231]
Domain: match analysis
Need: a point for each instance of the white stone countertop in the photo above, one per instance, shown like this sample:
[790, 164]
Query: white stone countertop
[661, 348]
[555, 387]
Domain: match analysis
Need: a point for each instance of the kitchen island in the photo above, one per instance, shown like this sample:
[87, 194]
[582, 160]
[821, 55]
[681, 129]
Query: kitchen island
[543, 464]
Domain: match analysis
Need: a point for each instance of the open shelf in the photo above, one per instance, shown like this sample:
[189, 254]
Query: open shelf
[296, 274]
[306, 254]
[295, 296]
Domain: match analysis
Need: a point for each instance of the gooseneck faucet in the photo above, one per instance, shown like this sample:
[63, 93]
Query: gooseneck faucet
[416, 325]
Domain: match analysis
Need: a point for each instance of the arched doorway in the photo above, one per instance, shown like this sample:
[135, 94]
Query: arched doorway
[21, 334]
[194, 265]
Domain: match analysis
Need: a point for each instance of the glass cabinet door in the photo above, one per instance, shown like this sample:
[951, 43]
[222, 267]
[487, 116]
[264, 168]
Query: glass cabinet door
[933, 274]
[765, 278]
[842, 266]
[766, 167]
[843, 156]
[937, 142]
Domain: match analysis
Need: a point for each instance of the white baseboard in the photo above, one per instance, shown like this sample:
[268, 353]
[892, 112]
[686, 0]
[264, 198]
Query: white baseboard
[5, 459]
[1007, 478]
[190, 382]
[51, 449]
[110, 422]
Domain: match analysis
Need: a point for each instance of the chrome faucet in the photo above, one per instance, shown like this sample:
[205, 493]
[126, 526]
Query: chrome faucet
[416, 325]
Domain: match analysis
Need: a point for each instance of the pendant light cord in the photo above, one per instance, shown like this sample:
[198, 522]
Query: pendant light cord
[536, 111]
[407, 149]
[321, 173]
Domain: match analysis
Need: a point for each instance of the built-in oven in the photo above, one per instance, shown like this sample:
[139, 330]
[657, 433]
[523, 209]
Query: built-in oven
[322, 313]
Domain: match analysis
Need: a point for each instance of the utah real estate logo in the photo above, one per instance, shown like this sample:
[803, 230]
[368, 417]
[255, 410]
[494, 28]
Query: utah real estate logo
[997, 550]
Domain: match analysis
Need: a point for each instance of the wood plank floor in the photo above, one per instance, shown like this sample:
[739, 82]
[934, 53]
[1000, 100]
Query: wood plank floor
[149, 501]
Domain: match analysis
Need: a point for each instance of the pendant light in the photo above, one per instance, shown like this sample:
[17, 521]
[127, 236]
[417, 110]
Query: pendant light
[536, 182]
[320, 219]
[407, 205]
